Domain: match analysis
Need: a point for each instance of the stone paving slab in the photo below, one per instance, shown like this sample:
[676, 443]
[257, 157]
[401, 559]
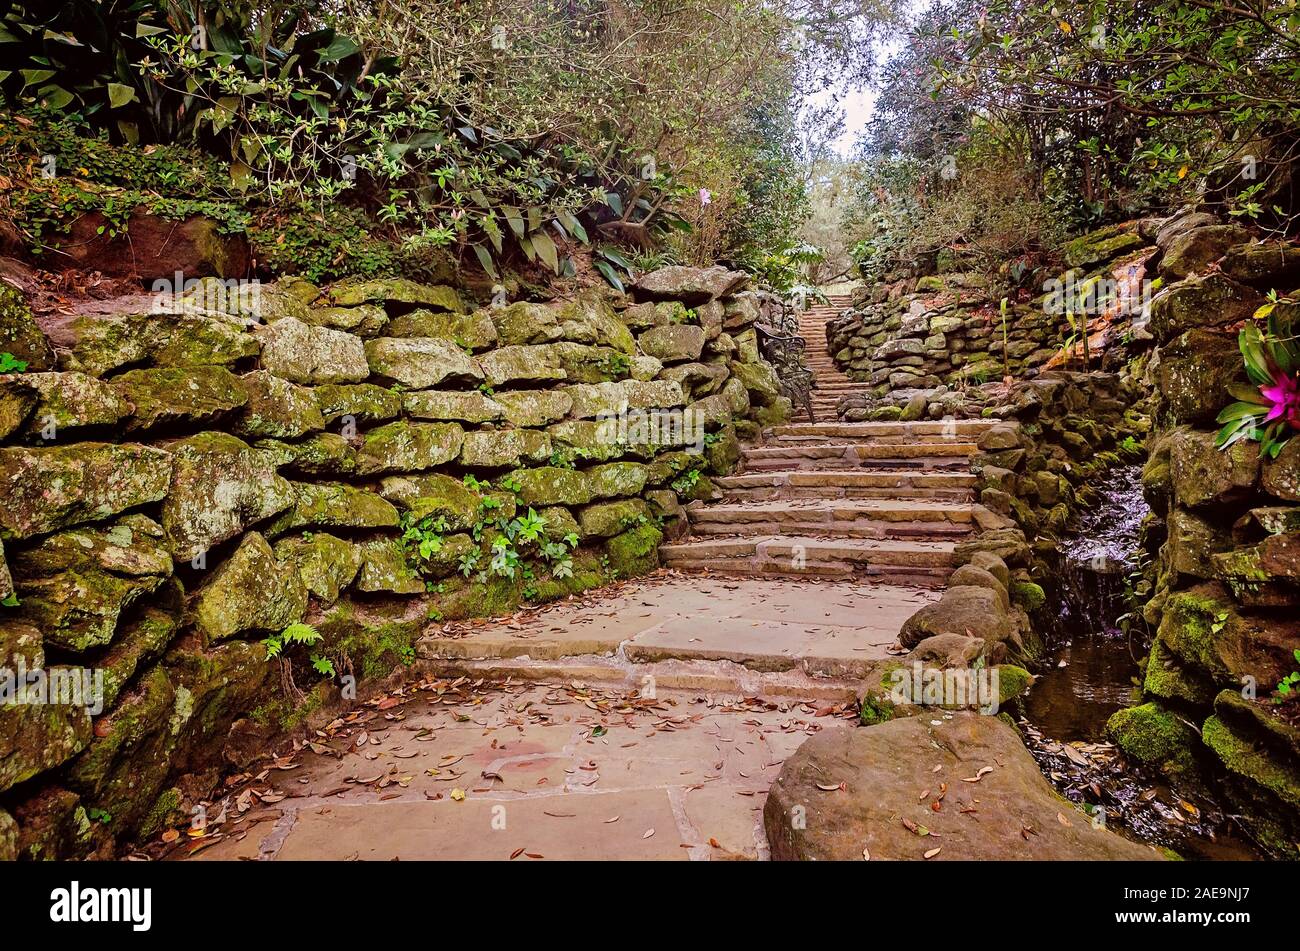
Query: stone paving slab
[556, 770]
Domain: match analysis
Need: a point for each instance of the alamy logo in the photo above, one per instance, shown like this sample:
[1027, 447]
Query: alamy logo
[75, 904]
[58, 686]
[954, 687]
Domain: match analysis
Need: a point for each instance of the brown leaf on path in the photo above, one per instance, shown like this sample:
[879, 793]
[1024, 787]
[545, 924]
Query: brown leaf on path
[932, 853]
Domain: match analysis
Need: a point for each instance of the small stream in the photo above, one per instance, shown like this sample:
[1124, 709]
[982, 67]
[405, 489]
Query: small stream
[1093, 671]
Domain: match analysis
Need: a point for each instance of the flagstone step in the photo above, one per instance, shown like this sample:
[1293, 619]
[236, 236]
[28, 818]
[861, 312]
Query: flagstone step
[890, 560]
[854, 455]
[851, 518]
[848, 484]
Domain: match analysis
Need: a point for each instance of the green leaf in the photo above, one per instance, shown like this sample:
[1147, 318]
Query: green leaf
[615, 202]
[546, 250]
[485, 259]
[609, 274]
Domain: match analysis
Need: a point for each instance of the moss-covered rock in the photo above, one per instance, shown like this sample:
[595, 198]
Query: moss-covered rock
[501, 448]
[1192, 543]
[48, 489]
[760, 380]
[534, 407]
[221, 485]
[384, 568]
[420, 362]
[1282, 475]
[551, 485]
[586, 320]
[1168, 678]
[409, 447]
[17, 400]
[673, 343]
[364, 402]
[649, 314]
[472, 331]
[617, 480]
[36, 736]
[325, 564]
[722, 451]
[1153, 735]
[141, 641]
[334, 505]
[1028, 595]
[395, 290]
[1203, 628]
[191, 396]
[690, 285]
[608, 399]
[465, 407]
[594, 440]
[434, 495]
[301, 353]
[1195, 249]
[364, 320]
[104, 344]
[605, 519]
[1252, 760]
[71, 401]
[276, 408]
[635, 551]
[53, 825]
[250, 592]
[1194, 372]
[521, 363]
[1098, 247]
[20, 335]
[322, 454]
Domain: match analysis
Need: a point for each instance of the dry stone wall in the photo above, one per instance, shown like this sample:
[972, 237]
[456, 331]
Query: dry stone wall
[368, 458]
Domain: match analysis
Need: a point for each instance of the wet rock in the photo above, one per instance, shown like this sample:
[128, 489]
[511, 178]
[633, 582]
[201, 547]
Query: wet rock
[673, 343]
[1282, 475]
[885, 767]
[250, 592]
[49, 489]
[104, 344]
[420, 362]
[364, 402]
[474, 331]
[141, 641]
[1168, 678]
[325, 564]
[501, 448]
[52, 826]
[221, 486]
[72, 400]
[276, 408]
[1204, 628]
[301, 353]
[409, 447]
[980, 578]
[1192, 541]
[691, 286]
[395, 290]
[20, 335]
[1193, 250]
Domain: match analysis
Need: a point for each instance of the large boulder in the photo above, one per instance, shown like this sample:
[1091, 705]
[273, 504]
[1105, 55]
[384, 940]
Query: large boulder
[48, 489]
[420, 362]
[1193, 250]
[673, 343]
[220, 487]
[276, 408]
[250, 593]
[586, 320]
[850, 793]
[690, 285]
[474, 331]
[103, 344]
[1210, 300]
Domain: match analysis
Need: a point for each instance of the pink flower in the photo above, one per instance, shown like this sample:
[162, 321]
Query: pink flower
[1283, 400]
[705, 196]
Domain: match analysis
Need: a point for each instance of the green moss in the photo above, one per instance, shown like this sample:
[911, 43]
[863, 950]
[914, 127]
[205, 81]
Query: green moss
[635, 552]
[1167, 678]
[1028, 595]
[1012, 682]
[1151, 734]
[1252, 761]
[875, 708]
[166, 811]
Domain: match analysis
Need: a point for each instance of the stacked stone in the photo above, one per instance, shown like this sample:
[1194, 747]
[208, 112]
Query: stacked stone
[177, 486]
[1226, 607]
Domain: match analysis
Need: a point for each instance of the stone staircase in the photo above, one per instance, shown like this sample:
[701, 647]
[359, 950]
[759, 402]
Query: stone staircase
[831, 384]
[881, 500]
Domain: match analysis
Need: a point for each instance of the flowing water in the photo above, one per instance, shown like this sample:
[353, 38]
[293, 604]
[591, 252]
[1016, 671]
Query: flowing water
[1093, 672]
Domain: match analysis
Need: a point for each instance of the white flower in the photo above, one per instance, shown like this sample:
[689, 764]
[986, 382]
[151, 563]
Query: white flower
[705, 196]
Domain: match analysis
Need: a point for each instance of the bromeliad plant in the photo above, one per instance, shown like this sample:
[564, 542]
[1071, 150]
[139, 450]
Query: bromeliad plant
[1268, 408]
